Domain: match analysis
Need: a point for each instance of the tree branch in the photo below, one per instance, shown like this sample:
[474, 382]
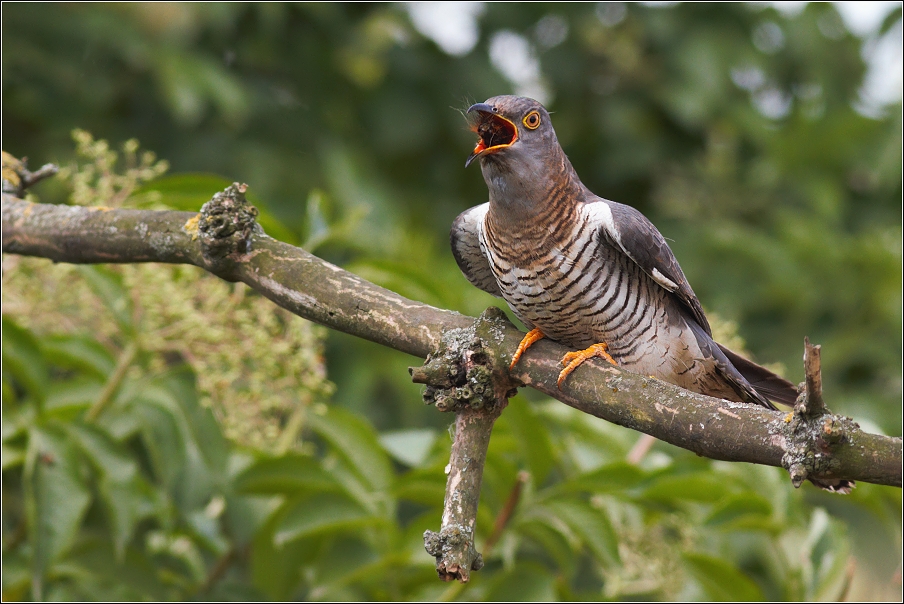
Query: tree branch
[464, 376]
[326, 294]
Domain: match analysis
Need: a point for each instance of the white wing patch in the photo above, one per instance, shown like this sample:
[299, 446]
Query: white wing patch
[663, 280]
[599, 213]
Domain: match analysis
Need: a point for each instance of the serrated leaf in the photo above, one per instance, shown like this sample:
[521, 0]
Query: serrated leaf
[284, 475]
[57, 496]
[323, 512]
[721, 580]
[410, 447]
[355, 440]
[23, 359]
[591, 525]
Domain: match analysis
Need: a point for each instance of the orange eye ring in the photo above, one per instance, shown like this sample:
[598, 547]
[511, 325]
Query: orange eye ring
[531, 121]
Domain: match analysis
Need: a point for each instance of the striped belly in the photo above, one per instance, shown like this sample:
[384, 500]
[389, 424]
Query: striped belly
[584, 292]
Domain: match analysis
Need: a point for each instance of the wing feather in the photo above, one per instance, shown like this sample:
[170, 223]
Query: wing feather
[465, 238]
[636, 236]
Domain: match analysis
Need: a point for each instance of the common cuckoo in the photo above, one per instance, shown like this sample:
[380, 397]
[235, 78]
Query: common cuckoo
[589, 273]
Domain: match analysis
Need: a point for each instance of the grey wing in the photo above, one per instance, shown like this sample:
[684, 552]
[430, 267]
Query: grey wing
[636, 236]
[465, 237]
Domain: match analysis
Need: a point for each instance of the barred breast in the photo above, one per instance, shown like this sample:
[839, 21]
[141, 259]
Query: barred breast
[565, 278]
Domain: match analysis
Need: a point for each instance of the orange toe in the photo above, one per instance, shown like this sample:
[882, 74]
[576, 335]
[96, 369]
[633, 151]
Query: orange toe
[573, 360]
[526, 342]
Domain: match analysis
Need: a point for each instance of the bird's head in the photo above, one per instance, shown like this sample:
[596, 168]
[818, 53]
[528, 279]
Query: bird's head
[513, 131]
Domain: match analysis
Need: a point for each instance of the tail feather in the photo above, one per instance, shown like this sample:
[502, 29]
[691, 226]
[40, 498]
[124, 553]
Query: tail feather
[771, 386]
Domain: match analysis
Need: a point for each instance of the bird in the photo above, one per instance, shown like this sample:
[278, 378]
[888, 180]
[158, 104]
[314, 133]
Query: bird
[589, 273]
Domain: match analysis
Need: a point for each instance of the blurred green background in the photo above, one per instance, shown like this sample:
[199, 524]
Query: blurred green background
[754, 138]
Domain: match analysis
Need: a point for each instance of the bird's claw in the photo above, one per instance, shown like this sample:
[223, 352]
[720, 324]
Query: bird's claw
[526, 342]
[573, 360]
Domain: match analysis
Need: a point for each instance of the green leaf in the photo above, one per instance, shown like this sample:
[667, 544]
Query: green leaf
[742, 511]
[187, 191]
[23, 359]
[346, 559]
[72, 351]
[126, 503]
[320, 513]
[284, 475]
[57, 496]
[275, 569]
[163, 440]
[615, 477]
[526, 582]
[65, 397]
[721, 580]
[425, 486]
[697, 486]
[353, 439]
[410, 447]
[532, 437]
[552, 534]
[202, 426]
[108, 285]
[109, 457]
[15, 578]
[11, 456]
[591, 525]
[95, 569]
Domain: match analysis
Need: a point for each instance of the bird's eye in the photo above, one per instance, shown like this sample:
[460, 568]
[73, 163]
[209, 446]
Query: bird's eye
[532, 120]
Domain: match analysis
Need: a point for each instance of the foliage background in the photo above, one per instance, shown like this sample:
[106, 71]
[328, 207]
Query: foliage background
[213, 460]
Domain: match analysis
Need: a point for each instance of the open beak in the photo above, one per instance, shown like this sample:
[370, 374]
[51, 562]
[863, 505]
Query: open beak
[495, 132]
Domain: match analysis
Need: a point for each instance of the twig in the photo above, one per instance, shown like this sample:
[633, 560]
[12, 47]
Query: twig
[506, 513]
[814, 435]
[126, 358]
[811, 403]
[502, 520]
[465, 376]
[17, 177]
[640, 449]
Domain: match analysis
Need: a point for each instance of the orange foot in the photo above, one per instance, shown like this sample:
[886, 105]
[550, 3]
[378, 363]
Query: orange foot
[573, 359]
[526, 342]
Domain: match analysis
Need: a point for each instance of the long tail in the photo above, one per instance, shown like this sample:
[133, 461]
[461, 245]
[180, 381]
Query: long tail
[771, 386]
